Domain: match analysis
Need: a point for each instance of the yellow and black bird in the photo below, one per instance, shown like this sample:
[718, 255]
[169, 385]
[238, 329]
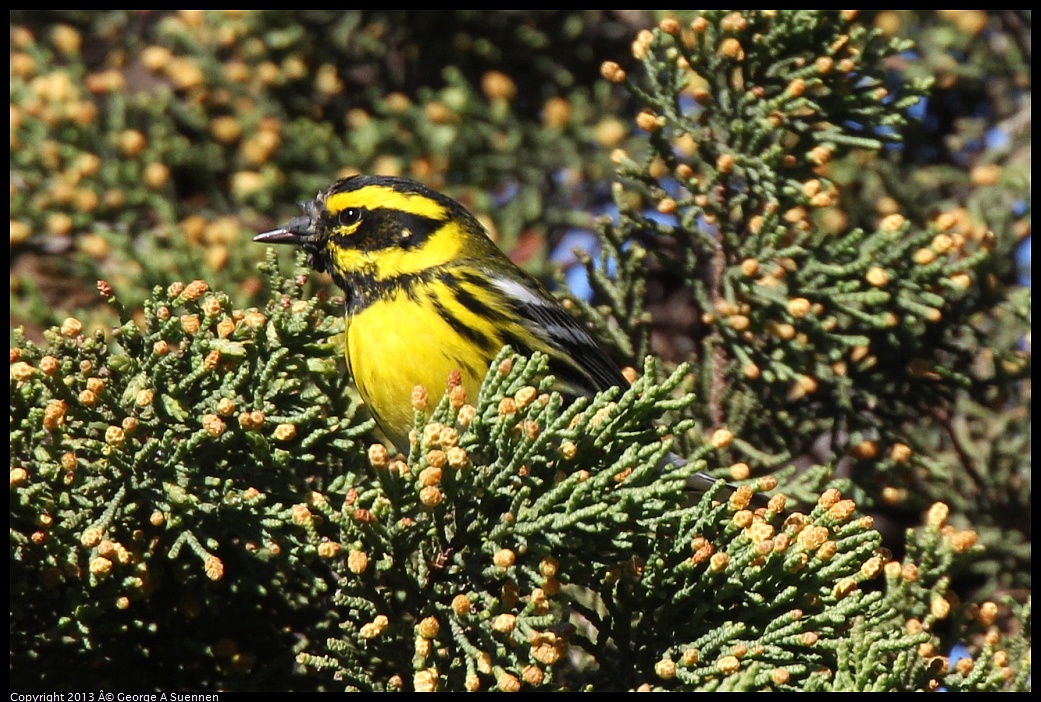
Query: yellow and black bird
[429, 293]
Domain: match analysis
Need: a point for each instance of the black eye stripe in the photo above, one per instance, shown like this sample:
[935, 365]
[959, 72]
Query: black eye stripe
[378, 228]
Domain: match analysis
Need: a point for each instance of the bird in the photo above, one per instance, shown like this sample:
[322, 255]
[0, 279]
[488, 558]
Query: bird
[428, 293]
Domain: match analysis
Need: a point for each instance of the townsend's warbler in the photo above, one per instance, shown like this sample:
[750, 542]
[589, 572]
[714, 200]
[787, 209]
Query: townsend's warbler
[429, 293]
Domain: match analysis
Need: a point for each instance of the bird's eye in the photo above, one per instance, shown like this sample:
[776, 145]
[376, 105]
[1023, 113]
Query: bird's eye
[349, 216]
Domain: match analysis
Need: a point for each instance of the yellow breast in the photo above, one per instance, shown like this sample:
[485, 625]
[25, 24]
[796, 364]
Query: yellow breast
[400, 342]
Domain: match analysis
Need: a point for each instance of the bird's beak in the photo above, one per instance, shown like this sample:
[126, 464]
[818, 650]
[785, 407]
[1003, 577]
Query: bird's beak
[299, 231]
[279, 236]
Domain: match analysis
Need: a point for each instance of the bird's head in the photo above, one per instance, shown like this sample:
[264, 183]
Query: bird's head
[370, 229]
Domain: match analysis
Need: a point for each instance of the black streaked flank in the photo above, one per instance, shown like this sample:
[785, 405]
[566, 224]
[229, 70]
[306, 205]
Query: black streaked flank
[470, 301]
[486, 343]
